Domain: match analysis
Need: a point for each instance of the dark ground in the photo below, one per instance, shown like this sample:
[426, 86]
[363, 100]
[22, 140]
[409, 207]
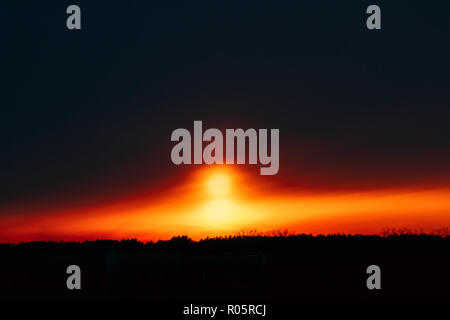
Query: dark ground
[257, 267]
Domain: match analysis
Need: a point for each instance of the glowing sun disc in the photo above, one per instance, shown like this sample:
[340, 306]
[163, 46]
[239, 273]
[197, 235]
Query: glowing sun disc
[219, 184]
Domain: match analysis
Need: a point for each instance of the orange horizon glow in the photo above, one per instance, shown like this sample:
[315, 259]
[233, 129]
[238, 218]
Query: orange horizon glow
[220, 200]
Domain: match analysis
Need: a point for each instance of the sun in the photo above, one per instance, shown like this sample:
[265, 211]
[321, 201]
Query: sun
[219, 210]
[218, 184]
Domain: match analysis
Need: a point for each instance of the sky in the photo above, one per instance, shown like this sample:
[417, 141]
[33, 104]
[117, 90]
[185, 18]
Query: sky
[87, 117]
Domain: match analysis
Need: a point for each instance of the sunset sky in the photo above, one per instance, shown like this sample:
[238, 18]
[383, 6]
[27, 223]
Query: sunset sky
[87, 118]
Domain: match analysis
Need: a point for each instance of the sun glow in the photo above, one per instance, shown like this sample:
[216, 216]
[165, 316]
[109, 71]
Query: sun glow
[219, 209]
[222, 200]
[219, 184]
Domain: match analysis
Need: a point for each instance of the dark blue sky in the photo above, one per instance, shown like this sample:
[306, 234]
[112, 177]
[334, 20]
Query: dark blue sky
[89, 113]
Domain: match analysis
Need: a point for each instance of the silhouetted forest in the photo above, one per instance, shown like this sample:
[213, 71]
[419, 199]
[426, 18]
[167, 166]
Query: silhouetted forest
[279, 266]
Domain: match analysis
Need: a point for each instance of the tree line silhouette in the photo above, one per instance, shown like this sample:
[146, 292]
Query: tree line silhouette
[278, 265]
